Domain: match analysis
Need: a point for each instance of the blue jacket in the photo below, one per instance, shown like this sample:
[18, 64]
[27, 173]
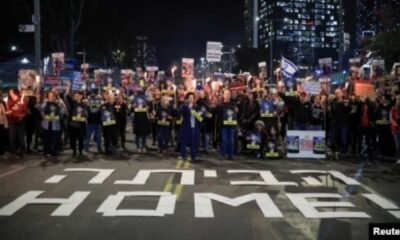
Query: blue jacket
[185, 130]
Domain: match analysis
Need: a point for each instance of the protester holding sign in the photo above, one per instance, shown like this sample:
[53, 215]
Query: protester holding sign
[189, 132]
[17, 110]
[164, 115]
[227, 113]
[121, 112]
[109, 122]
[339, 109]
[52, 113]
[94, 121]
[77, 120]
[141, 122]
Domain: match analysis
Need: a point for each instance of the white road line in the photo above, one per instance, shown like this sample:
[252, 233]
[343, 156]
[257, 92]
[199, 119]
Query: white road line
[19, 169]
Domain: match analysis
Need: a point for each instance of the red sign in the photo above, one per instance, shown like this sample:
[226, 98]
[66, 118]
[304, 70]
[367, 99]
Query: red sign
[51, 80]
[363, 88]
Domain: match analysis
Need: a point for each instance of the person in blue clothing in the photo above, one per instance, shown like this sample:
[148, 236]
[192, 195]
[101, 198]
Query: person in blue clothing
[189, 132]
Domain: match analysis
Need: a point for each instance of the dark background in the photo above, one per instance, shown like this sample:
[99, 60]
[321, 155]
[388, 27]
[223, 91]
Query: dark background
[176, 28]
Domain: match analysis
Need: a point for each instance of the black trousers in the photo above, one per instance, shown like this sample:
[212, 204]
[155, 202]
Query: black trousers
[110, 134]
[365, 132]
[51, 142]
[77, 134]
[122, 132]
[17, 137]
[3, 139]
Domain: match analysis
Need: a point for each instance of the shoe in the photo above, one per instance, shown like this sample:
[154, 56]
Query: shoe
[74, 153]
[139, 150]
[188, 159]
[144, 150]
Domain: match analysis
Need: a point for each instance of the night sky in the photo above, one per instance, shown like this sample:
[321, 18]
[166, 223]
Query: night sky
[177, 28]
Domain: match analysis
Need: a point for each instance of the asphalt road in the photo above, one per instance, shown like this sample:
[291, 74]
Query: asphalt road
[22, 175]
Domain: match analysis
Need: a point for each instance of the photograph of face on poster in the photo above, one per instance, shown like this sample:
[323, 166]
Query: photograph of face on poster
[187, 68]
[103, 77]
[26, 80]
[126, 77]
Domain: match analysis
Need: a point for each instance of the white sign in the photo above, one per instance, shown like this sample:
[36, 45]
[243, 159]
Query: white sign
[214, 51]
[306, 144]
[312, 87]
[152, 68]
[26, 28]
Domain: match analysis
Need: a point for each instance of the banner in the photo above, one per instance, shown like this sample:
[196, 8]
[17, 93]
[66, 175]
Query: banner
[325, 64]
[363, 88]
[187, 67]
[306, 144]
[58, 61]
[27, 81]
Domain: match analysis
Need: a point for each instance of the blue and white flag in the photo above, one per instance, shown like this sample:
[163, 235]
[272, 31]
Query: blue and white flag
[288, 67]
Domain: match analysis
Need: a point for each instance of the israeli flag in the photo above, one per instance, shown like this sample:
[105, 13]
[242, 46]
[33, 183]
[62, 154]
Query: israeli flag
[288, 67]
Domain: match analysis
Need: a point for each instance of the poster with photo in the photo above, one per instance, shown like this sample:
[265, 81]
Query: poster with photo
[85, 72]
[126, 77]
[262, 70]
[103, 77]
[378, 68]
[325, 65]
[306, 144]
[230, 118]
[27, 81]
[58, 61]
[187, 67]
[267, 108]
[253, 141]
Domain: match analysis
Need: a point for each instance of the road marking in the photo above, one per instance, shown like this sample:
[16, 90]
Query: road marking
[168, 186]
[179, 187]
[18, 169]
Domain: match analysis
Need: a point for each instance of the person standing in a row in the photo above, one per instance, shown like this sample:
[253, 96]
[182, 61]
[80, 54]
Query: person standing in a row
[189, 132]
[3, 126]
[77, 121]
[121, 112]
[141, 122]
[94, 122]
[17, 110]
[110, 130]
[227, 115]
[52, 114]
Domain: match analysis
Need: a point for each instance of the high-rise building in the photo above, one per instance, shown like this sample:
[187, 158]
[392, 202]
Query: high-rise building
[302, 30]
[375, 16]
[368, 23]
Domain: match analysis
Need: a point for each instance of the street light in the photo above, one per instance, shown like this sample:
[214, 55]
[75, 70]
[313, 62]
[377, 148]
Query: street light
[83, 53]
[25, 60]
[13, 48]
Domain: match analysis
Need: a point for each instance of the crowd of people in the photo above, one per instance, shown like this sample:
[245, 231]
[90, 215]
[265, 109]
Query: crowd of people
[252, 120]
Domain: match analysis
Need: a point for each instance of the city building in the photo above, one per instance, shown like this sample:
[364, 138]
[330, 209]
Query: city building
[301, 30]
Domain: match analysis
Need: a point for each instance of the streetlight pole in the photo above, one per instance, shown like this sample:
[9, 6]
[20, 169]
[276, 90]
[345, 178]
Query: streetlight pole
[341, 36]
[255, 24]
[38, 57]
